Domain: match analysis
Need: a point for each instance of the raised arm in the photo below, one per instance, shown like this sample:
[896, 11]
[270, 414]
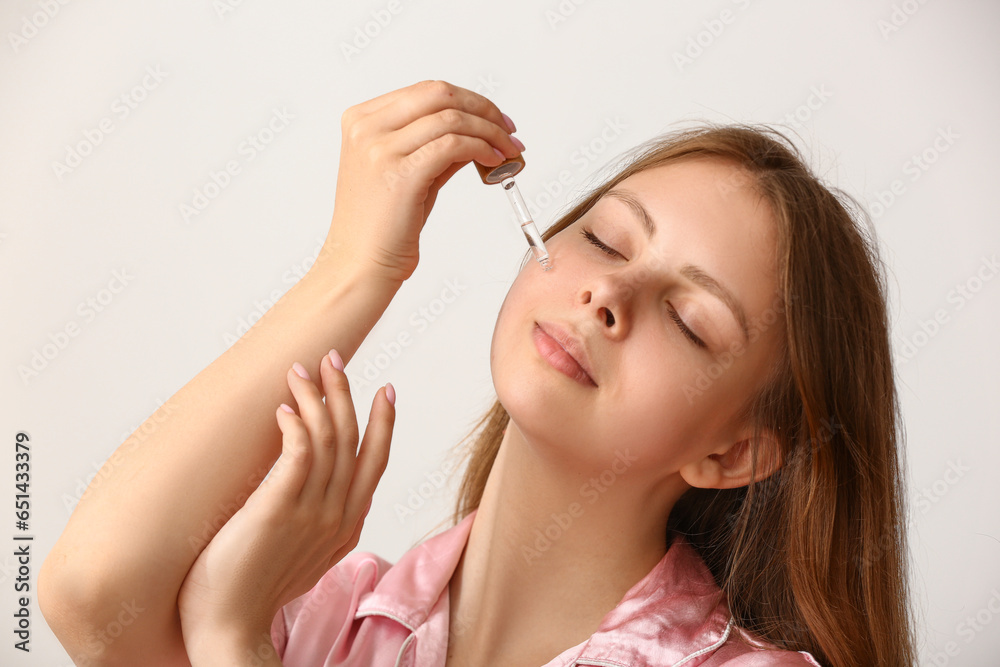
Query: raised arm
[166, 491]
[161, 497]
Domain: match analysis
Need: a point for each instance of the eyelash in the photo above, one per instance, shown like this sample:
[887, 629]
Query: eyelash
[673, 313]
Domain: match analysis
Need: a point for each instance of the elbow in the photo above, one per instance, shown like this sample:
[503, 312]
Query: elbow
[62, 611]
[52, 604]
[70, 610]
[96, 625]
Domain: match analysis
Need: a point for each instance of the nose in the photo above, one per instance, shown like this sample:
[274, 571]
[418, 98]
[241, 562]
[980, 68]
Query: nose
[610, 298]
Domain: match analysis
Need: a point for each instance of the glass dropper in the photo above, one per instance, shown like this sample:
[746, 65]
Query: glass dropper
[527, 224]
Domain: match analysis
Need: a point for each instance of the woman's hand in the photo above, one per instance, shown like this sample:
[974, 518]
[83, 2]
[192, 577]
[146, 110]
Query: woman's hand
[397, 151]
[304, 518]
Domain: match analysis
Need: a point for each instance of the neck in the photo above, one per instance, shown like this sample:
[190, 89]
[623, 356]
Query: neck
[550, 553]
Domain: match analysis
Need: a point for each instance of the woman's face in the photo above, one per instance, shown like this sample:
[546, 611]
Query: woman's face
[637, 312]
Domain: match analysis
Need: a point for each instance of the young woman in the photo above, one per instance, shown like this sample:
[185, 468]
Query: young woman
[692, 458]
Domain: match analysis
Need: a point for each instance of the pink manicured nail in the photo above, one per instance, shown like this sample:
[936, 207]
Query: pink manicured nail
[499, 154]
[517, 142]
[287, 409]
[301, 370]
[338, 362]
[390, 393]
[510, 123]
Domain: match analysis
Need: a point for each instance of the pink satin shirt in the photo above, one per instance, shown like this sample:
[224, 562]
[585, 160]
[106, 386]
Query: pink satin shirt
[366, 611]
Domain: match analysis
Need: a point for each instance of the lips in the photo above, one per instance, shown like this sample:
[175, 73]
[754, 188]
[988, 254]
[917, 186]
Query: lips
[564, 351]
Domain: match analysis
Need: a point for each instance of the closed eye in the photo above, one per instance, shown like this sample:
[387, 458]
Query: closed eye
[600, 244]
[687, 332]
[673, 313]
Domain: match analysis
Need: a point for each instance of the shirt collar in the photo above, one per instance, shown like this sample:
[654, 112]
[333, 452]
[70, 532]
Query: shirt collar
[674, 613]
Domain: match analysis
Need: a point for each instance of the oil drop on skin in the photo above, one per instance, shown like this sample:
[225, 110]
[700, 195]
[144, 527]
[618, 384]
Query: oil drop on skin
[504, 173]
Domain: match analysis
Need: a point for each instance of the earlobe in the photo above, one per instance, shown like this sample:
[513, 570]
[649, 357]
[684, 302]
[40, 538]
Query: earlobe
[731, 468]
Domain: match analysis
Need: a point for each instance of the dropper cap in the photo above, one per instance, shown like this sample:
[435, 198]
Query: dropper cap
[506, 169]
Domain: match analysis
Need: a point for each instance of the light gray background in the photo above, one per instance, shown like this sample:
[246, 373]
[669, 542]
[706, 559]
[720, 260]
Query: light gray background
[867, 85]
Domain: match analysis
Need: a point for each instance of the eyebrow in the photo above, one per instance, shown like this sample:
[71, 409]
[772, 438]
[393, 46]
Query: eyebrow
[692, 272]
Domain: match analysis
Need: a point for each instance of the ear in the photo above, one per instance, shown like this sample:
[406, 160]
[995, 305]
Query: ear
[729, 466]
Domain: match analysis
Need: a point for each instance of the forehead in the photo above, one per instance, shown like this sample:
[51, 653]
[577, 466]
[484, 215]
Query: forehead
[711, 180]
[707, 212]
[702, 199]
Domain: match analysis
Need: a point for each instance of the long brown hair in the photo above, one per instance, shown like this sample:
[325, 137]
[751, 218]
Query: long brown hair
[813, 557]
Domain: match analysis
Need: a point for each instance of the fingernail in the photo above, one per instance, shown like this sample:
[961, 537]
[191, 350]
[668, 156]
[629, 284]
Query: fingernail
[287, 409]
[510, 123]
[517, 142]
[301, 370]
[390, 393]
[338, 363]
[499, 154]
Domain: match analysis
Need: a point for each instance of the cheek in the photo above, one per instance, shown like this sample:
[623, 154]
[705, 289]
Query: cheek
[513, 319]
[663, 395]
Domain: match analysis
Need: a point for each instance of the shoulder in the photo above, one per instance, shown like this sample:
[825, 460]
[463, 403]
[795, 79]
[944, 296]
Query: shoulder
[745, 649]
[332, 602]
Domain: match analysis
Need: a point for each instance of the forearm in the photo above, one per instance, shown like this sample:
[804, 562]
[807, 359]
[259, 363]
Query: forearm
[167, 490]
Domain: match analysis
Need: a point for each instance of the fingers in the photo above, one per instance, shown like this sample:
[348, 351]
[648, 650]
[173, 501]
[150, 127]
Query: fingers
[424, 166]
[401, 107]
[435, 118]
[289, 473]
[353, 492]
[426, 129]
[310, 405]
[332, 428]
[340, 414]
[321, 462]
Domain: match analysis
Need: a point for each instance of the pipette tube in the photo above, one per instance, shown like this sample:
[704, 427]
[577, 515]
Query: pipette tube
[526, 223]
